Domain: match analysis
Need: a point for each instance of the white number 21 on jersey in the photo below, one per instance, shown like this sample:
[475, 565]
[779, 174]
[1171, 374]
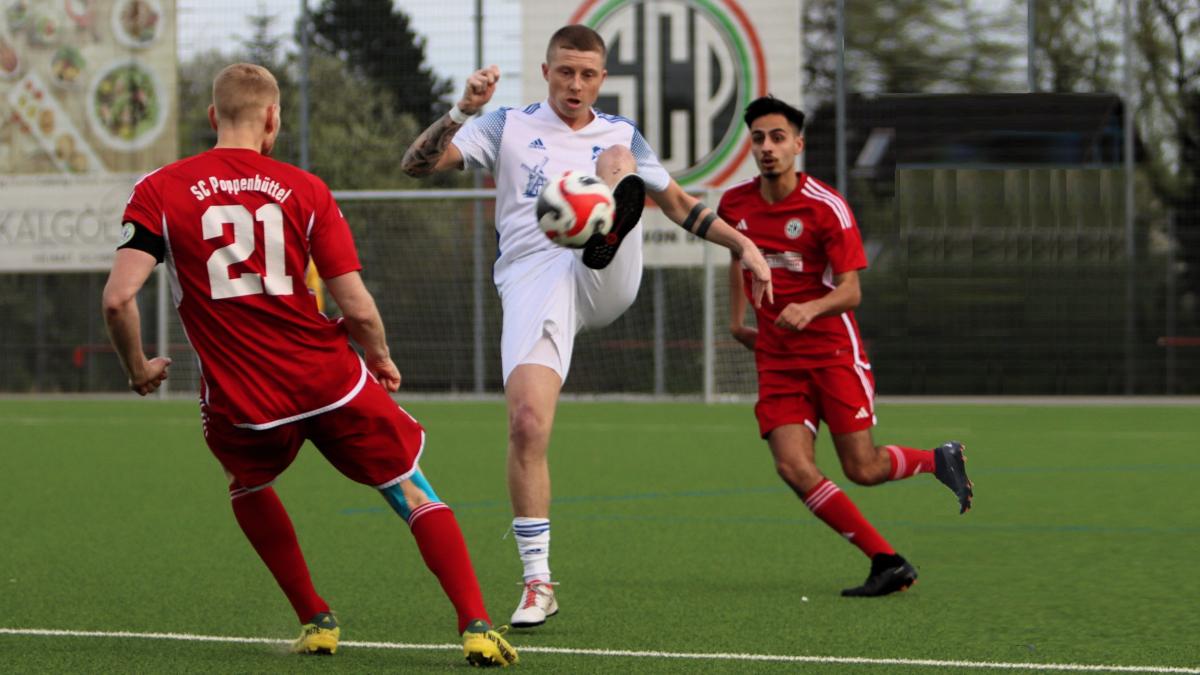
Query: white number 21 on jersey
[275, 281]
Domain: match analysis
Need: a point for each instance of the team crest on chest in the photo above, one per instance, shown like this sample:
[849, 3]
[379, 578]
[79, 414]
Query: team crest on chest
[535, 178]
[794, 228]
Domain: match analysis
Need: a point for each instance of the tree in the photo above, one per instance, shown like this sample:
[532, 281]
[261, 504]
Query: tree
[987, 64]
[1168, 41]
[195, 94]
[908, 46]
[1076, 45]
[357, 131]
[377, 42]
[195, 88]
[262, 48]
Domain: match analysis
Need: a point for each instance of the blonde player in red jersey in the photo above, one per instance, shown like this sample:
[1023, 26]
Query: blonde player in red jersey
[237, 230]
[810, 358]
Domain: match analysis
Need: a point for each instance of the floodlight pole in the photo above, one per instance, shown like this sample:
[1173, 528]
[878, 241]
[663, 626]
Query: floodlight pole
[1130, 238]
[477, 256]
[161, 327]
[710, 315]
[1031, 44]
[304, 28]
[840, 102]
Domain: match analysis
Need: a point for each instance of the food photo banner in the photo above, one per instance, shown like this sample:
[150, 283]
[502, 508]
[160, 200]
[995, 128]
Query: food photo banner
[87, 105]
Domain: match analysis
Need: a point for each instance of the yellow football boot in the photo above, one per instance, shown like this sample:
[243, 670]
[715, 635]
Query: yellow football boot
[319, 636]
[485, 647]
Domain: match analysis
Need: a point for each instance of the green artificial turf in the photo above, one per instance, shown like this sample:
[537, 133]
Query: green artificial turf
[671, 533]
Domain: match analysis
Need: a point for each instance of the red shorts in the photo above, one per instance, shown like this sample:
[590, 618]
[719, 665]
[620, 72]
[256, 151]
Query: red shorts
[843, 396]
[370, 439]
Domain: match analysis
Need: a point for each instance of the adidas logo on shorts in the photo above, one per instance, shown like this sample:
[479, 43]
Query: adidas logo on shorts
[862, 414]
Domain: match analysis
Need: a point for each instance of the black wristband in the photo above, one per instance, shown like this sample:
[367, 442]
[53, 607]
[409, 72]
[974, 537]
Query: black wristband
[705, 223]
[693, 215]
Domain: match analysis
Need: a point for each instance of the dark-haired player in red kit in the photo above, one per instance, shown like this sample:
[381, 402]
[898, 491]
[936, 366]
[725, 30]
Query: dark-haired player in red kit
[810, 358]
[237, 230]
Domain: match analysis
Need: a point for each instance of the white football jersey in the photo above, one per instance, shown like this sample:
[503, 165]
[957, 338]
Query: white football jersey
[523, 149]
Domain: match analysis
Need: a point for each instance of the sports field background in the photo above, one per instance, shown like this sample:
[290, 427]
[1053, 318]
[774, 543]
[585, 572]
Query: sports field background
[671, 533]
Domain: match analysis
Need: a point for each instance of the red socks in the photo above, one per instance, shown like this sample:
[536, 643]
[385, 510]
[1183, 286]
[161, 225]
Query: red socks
[266, 524]
[831, 505]
[269, 529]
[909, 462]
[445, 553]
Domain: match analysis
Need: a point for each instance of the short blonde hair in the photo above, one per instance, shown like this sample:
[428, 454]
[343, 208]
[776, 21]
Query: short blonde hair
[242, 88]
[576, 37]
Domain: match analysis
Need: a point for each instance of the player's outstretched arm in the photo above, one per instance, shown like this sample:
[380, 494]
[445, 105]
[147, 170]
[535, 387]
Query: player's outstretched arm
[432, 151]
[365, 326]
[696, 217]
[737, 307]
[131, 267]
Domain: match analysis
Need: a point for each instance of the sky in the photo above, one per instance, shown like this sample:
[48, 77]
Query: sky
[447, 25]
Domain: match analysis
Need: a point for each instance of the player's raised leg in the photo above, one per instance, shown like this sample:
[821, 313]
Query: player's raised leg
[532, 395]
[868, 464]
[602, 296]
[445, 553]
[617, 167]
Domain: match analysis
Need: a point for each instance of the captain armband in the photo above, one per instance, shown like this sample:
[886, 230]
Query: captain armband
[138, 236]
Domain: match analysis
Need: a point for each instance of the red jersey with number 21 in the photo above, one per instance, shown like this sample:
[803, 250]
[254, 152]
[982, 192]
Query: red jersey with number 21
[807, 238]
[239, 229]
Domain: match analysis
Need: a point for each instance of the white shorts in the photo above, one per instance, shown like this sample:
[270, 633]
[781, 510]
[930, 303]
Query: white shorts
[552, 294]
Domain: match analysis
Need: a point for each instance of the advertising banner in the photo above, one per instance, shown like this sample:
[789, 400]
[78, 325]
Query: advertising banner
[87, 105]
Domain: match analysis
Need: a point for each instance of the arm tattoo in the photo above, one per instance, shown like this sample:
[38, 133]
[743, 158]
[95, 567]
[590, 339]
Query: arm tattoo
[424, 153]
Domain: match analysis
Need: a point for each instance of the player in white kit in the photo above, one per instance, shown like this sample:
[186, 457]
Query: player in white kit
[549, 293]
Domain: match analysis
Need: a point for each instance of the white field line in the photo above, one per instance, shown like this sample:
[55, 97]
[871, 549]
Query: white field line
[699, 656]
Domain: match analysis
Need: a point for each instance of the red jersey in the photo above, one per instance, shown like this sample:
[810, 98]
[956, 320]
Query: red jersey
[807, 238]
[239, 228]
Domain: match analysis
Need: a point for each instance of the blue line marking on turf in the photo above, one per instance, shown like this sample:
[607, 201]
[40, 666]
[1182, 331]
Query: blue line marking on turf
[1128, 468]
[804, 519]
[583, 499]
[985, 471]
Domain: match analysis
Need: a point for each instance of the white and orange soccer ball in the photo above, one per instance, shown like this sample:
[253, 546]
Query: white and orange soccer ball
[573, 207]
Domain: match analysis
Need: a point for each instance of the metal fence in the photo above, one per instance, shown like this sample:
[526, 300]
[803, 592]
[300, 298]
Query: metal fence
[1020, 243]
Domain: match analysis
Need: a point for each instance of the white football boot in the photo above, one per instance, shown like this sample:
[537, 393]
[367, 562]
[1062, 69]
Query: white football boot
[537, 604]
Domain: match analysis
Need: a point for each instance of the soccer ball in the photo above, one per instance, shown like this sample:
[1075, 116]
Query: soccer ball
[573, 207]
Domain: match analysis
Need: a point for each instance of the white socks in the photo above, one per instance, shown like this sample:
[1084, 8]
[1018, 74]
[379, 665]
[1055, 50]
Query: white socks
[533, 543]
